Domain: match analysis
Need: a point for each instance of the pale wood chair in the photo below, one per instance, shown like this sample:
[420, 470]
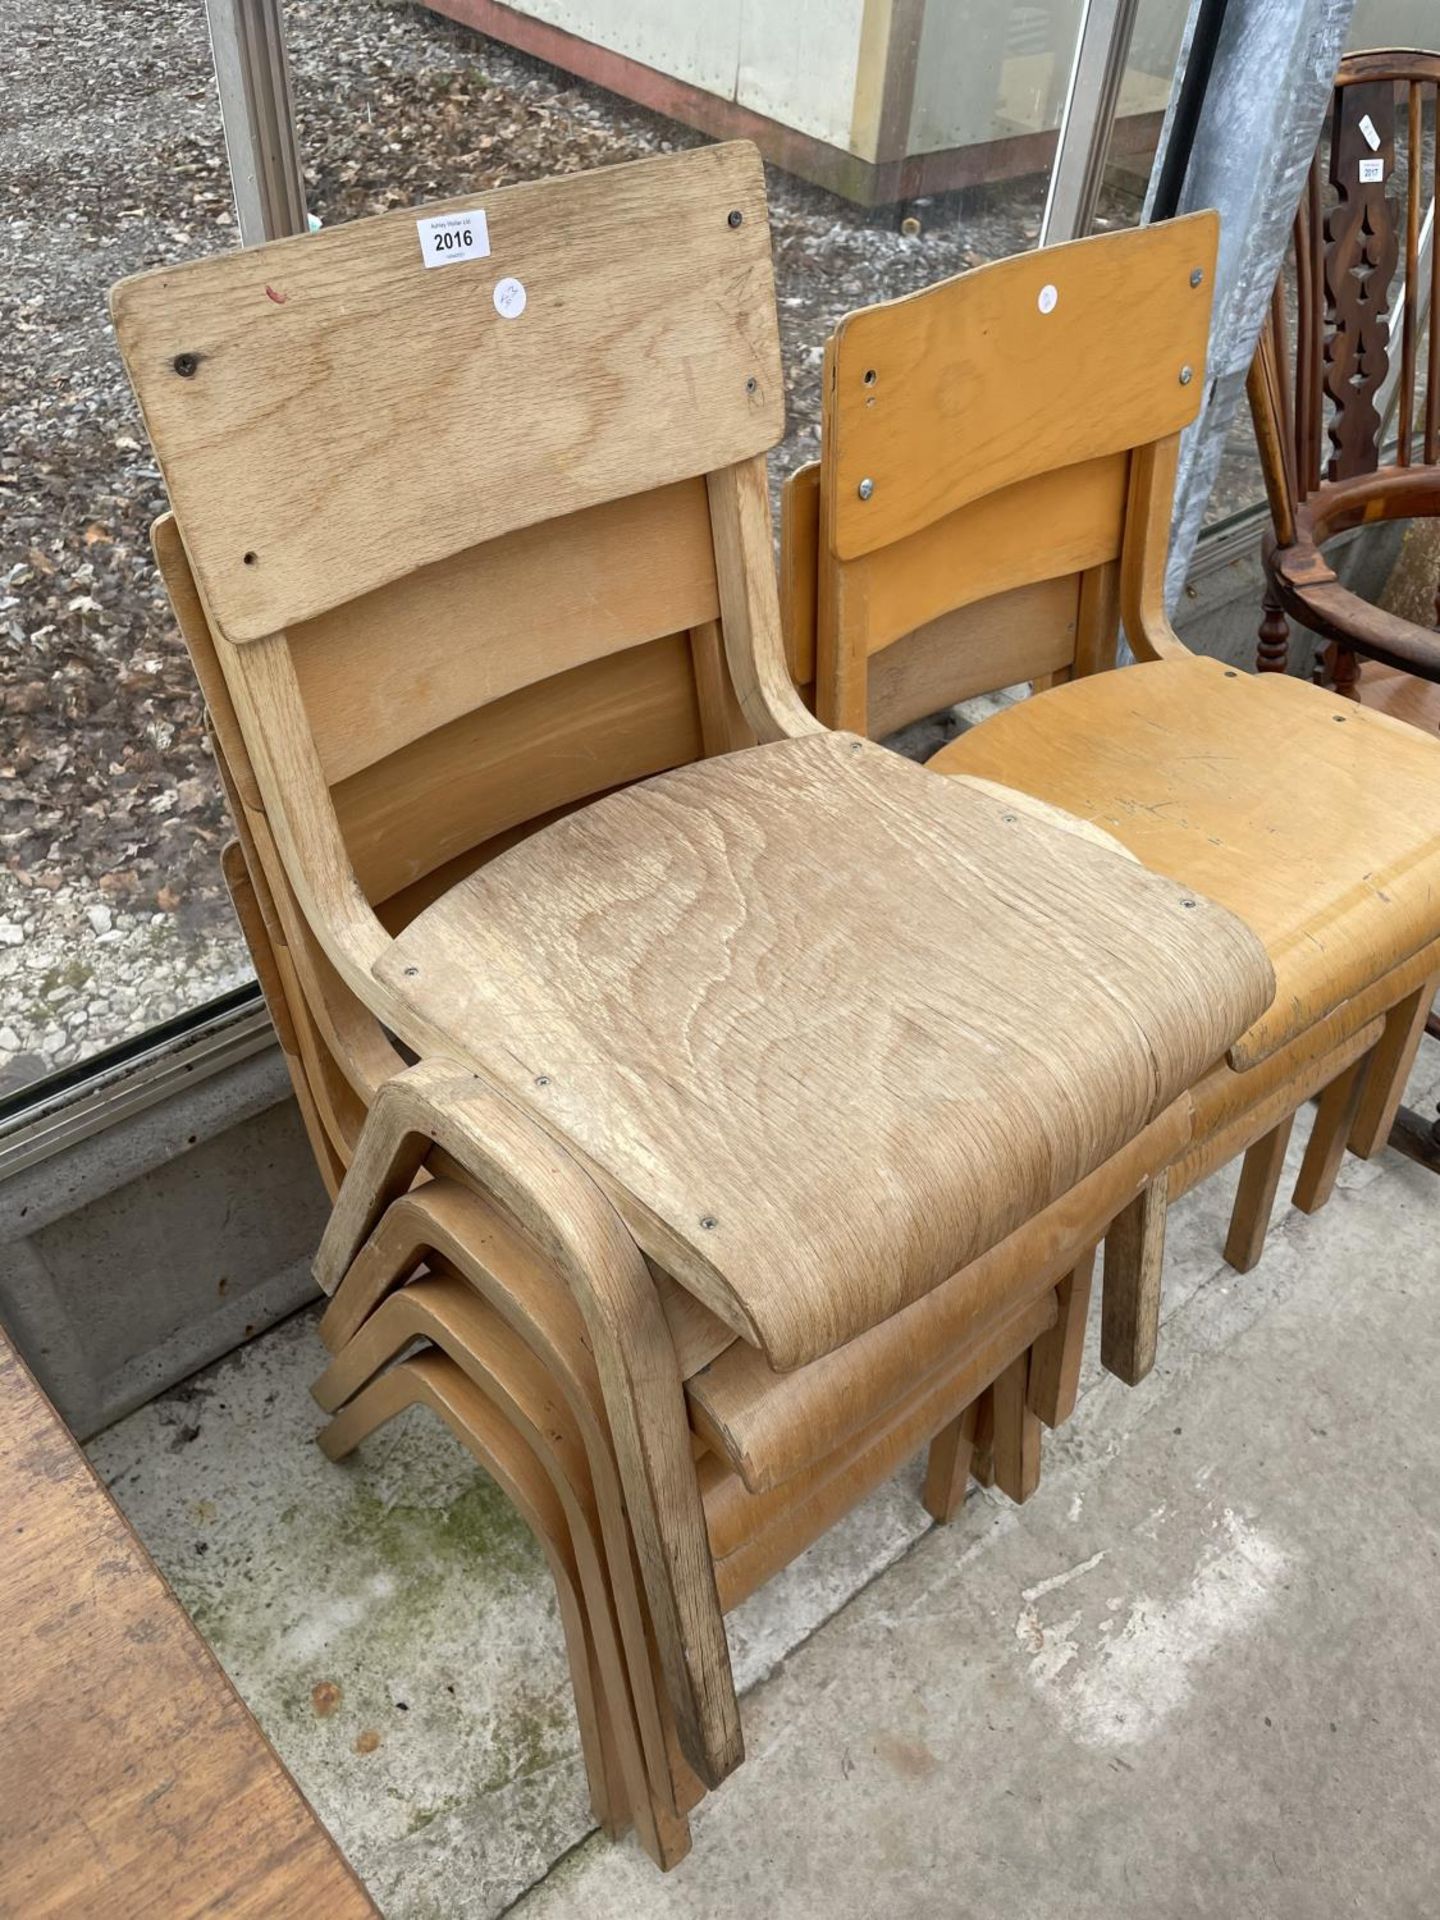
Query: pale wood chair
[992, 500]
[855, 1404]
[779, 1022]
[776, 1429]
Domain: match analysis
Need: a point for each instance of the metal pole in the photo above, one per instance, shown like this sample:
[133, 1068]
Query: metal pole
[1101, 52]
[1254, 135]
[247, 41]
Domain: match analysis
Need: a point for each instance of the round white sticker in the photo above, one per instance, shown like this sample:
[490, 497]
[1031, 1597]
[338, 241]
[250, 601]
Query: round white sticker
[509, 299]
[1048, 297]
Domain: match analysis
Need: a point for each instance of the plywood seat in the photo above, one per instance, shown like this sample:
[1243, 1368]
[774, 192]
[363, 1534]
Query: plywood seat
[1316, 820]
[771, 1426]
[817, 1087]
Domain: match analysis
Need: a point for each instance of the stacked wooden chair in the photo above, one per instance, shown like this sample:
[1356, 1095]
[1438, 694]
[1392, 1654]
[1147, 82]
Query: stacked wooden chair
[1364, 269]
[728, 1106]
[992, 501]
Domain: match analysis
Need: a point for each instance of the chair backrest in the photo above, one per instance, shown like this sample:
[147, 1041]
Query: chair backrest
[464, 513]
[1359, 260]
[998, 439]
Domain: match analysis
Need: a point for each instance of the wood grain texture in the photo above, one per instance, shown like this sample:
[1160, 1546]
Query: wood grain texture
[432, 1380]
[817, 1502]
[776, 1050]
[1193, 766]
[1130, 1300]
[1015, 1448]
[1255, 1196]
[321, 368]
[750, 602]
[569, 1221]
[1361, 251]
[947, 1467]
[1389, 1070]
[1352, 326]
[1016, 636]
[1325, 1149]
[986, 548]
[457, 1230]
[459, 635]
[770, 1425]
[135, 1780]
[1233, 1127]
[974, 387]
[492, 1348]
[1053, 1384]
[734, 1516]
[536, 750]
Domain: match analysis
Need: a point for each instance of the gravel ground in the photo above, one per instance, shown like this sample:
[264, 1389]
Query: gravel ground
[112, 914]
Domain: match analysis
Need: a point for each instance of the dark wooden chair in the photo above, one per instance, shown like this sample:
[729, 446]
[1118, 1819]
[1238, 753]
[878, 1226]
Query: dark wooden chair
[1364, 269]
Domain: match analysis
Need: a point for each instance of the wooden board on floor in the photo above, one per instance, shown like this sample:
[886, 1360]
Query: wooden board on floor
[134, 1779]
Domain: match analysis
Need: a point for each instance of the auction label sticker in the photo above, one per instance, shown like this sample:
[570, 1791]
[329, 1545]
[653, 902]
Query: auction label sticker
[1370, 171]
[509, 299]
[1372, 138]
[446, 237]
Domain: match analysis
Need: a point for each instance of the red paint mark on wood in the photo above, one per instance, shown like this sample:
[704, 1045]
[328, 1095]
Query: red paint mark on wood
[278, 298]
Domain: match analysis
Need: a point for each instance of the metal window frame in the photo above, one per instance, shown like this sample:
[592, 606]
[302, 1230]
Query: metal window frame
[1102, 48]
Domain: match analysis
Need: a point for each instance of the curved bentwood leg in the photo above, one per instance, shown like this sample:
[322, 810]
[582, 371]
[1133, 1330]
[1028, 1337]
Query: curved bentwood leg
[579, 1235]
[450, 1314]
[429, 1381]
[451, 1227]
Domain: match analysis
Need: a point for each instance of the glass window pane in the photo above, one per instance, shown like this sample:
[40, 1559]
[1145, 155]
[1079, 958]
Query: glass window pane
[112, 909]
[906, 143]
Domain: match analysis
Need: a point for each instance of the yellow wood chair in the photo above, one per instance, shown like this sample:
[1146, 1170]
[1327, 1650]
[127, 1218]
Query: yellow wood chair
[993, 499]
[801, 1026]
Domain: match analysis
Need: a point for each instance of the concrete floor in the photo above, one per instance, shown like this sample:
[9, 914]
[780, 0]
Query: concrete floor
[1198, 1674]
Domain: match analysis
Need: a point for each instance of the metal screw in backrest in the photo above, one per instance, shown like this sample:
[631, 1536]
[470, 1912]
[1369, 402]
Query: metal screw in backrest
[1197, 276]
[865, 489]
[734, 217]
[1187, 374]
[185, 364]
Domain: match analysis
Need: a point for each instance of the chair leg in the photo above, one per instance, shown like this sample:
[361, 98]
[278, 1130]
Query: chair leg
[1333, 1121]
[947, 1466]
[1255, 1197]
[1273, 653]
[537, 1185]
[1017, 1433]
[1342, 671]
[513, 1467]
[1055, 1357]
[1390, 1065]
[519, 1390]
[1130, 1302]
[446, 1222]
[982, 1458]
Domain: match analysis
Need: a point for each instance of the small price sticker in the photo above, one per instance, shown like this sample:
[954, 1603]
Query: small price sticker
[509, 299]
[446, 237]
